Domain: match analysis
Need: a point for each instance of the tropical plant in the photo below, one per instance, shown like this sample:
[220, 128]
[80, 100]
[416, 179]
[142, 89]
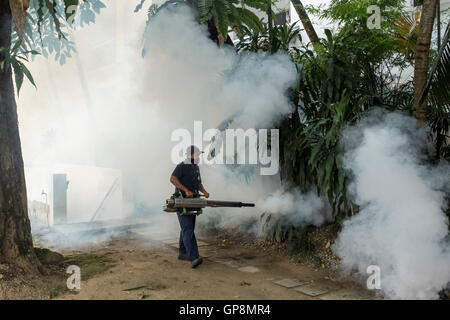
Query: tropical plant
[405, 34]
[231, 13]
[282, 230]
[47, 23]
[329, 98]
[14, 58]
[437, 92]
[219, 15]
[343, 75]
[369, 48]
[283, 38]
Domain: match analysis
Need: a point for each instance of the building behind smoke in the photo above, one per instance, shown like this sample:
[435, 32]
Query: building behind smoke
[282, 11]
[73, 193]
[83, 188]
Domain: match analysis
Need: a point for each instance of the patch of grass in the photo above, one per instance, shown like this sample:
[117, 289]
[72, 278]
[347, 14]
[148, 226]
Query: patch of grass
[143, 295]
[90, 264]
[59, 289]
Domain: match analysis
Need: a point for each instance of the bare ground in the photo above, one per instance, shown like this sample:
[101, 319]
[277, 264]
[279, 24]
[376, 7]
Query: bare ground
[151, 270]
[136, 267]
[17, 285]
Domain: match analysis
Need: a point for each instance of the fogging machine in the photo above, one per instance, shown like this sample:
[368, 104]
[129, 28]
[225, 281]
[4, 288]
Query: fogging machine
[195, 205]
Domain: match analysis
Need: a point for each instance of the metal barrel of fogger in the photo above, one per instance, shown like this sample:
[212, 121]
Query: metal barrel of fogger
[214, 203]
[202, 203]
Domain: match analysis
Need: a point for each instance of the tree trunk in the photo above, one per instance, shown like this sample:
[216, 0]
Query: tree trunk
[422, 57]
[304, 18]
[270, 21]
[212, 28]
[16, 245]
[438, 13]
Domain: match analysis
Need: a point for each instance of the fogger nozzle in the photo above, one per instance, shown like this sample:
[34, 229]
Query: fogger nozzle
[172, 205]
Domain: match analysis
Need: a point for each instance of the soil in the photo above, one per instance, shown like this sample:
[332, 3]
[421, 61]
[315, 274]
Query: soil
[130, 267]
[135, 267]
[16, 284]
[152, 271]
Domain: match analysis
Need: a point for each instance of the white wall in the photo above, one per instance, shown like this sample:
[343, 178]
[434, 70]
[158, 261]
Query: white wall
[87, 188]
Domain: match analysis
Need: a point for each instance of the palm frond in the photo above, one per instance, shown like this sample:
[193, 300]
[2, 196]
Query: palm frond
[250, 19]
[261, 5]
[437, 91]
[222, 12]
[205, 8]
[437, 88]
[405, 34]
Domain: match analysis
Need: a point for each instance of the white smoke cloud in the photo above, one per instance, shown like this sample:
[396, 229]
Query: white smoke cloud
[401, 226]
[123, 115]
[187, 74]
[301, 209]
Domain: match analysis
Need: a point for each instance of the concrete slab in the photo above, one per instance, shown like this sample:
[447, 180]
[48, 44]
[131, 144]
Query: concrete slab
[347, 295]
[228, 263]
[290, 283]
[249, 269]
[231, 264]
[312, 290]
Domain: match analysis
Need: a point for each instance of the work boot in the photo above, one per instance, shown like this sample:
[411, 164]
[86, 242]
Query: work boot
[196, 262]
[183, 256]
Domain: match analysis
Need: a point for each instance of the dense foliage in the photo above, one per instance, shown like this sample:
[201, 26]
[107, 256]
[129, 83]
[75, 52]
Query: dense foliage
[438, 93]
[219, 15]
[347, 73]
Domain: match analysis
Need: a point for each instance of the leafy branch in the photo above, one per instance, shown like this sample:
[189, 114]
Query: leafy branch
[13, 58]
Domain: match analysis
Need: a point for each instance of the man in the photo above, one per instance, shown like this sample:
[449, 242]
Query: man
[187, 181]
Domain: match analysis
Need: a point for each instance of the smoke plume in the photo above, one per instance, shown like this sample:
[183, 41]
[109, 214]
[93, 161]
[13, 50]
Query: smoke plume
[113, 108]
[299, 208]
[401, 225]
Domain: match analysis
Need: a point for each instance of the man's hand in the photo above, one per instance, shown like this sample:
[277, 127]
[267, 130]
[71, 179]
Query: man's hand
[174, 180]
[189, 194]
[202, 189]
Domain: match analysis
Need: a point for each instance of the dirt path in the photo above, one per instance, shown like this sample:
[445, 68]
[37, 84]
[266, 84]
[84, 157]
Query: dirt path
[150, 270]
